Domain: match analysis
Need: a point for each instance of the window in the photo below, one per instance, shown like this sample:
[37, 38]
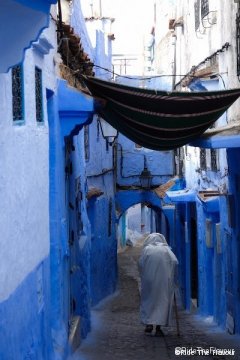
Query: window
[203, 159]
[98, 130]
[197, 14]
[38, 95]
[86, 142]
[17, 93]
[214, 160]
[204, 8]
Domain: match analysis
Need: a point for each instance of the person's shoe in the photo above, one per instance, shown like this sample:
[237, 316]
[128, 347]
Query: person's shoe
[148, 329]
[159, 332]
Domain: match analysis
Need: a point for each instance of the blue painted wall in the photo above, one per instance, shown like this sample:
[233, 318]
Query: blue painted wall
[26, 315]
[25, 318]
[130, 163]
[180, 249]
[206, 256]
[217, 252]
[217, 232]
[69, 191]
[30, 18]
[232, 241]
[59, 250]
[103, 251]
[101, 212]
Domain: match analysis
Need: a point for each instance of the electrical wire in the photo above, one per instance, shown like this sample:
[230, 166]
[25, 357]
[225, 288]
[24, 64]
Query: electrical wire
[184, 76]
[126, 76]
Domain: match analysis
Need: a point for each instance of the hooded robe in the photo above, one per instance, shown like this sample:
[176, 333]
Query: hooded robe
[157, 267]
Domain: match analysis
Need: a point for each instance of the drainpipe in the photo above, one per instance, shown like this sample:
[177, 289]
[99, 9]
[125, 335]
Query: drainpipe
[60, 23]
[174, 70]
[174, 65]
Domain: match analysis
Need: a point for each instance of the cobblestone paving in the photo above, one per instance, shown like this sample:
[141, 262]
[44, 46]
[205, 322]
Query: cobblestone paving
[118, 334]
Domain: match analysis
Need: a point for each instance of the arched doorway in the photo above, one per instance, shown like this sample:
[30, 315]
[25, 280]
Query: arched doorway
[138, 221]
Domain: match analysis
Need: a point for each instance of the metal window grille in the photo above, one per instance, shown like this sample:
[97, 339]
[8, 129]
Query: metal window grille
[86, 142]
[38, 94]
[204, 8]
[203, 159]
[17, 93]
[98, 130]
[197, 14]
[110, 218]
[238, 39]
[214, 160]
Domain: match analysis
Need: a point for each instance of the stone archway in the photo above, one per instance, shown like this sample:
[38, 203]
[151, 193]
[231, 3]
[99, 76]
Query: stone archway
[128, 198]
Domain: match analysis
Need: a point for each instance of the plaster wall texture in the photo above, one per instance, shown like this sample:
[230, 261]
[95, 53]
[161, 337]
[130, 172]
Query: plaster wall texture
[94, 38]
[24, 191]
[130, 163]
[103, 253]
[212, 39]
[157, 83]
[100, 174]
[217, 295]
[25, 318]
[29, 19]
[25, 313]
[199, 179]
[96, 250]
[98, 31]
[106, 8]
[228, 62]
[191, 49]
[59, 236]
[80, 226]
[100, 159]
[165, 10]
[78, 23]
[199, 46]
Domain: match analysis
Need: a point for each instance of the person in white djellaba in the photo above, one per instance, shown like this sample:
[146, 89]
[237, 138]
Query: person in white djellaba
[157, 268]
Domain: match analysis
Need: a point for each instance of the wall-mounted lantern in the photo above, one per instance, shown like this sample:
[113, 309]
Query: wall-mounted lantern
[109, 133]
[145, 177]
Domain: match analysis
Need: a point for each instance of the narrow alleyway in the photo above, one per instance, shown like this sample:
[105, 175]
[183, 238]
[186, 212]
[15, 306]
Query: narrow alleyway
[117, 333]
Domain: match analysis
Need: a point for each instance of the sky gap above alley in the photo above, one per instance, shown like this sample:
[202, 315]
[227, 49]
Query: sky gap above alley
[158, 120]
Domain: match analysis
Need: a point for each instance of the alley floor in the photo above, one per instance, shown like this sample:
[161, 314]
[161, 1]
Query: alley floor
[117, 333]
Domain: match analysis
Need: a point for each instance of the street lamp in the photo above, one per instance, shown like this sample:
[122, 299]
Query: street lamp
[109, 133]
[146, 176]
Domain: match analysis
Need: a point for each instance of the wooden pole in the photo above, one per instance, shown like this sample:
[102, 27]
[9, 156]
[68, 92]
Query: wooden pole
[176, 315]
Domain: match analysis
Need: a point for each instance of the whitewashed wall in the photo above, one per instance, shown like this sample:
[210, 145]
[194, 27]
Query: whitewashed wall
[24, 176]
[191, 49]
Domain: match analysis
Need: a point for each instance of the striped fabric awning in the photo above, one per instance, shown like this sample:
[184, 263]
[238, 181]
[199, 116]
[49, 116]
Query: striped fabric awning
[158, 120]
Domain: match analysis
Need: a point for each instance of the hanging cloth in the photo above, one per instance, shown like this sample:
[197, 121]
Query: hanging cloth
[158, 120]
